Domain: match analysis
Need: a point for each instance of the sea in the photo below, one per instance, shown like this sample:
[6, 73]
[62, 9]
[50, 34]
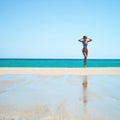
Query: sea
[60, 63]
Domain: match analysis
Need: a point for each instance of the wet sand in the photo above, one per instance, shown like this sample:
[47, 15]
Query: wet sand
[65, 97]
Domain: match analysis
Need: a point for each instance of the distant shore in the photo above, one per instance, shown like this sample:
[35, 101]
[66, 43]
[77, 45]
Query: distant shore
[61, 71]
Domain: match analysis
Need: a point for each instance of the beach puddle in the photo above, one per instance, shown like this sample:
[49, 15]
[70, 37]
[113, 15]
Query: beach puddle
[28, 97]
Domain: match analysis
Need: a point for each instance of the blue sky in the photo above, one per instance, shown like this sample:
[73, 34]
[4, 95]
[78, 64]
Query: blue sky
[51, 28]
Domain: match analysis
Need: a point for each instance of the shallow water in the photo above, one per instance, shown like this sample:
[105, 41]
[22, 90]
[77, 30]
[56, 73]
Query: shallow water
[59, 98]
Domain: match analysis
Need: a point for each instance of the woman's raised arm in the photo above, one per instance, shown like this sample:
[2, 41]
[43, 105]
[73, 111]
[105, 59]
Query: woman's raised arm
[89, 40]
[81, 40]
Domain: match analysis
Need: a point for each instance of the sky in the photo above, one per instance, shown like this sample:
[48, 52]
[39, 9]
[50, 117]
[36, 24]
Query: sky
[51, 28]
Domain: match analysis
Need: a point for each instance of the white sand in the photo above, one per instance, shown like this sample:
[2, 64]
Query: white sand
[61, 71]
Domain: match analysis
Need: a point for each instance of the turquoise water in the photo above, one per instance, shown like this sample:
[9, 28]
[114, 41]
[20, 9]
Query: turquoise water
[59, 63]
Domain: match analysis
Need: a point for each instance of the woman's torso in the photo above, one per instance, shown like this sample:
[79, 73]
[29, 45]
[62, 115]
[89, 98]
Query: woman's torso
[85, 43]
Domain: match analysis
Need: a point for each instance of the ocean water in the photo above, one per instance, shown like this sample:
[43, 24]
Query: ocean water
[69, 63]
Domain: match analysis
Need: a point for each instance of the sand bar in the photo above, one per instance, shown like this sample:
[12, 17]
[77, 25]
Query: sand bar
[61, 71]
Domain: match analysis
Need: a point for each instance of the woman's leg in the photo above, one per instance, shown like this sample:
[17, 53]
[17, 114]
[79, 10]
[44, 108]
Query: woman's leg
[85, 59]
[85, 53]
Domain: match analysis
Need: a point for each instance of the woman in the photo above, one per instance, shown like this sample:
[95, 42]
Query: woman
[85, 41]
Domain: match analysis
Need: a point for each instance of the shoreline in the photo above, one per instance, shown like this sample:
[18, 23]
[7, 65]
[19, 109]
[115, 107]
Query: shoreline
[61, 71]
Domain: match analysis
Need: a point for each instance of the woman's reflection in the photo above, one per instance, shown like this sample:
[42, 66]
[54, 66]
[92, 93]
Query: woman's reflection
[85, 96]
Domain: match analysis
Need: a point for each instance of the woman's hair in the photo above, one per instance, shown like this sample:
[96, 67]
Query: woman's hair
[84, 37]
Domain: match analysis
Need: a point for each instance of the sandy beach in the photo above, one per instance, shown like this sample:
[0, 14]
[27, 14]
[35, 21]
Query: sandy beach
[61, 71]
[59, 93]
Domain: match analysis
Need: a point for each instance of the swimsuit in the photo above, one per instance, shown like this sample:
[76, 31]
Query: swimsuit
[85, 50]
[85, 44]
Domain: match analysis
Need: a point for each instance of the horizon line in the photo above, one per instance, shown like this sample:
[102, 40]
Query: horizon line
[66, 58]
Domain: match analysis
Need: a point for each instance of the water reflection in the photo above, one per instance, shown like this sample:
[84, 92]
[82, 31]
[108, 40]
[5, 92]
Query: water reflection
[85, 92]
